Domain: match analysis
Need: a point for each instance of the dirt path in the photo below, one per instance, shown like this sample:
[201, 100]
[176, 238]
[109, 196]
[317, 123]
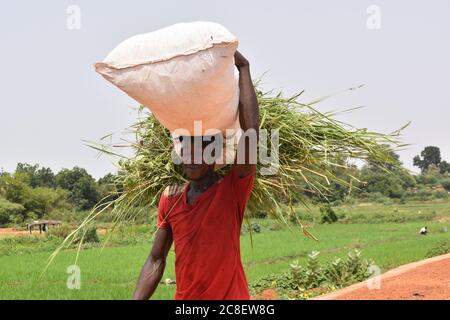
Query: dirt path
[8, 232]
[12, 232]
[423, 280]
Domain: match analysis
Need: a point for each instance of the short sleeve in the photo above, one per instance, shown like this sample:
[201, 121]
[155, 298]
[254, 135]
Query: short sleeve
[162, 212]
[242, 188]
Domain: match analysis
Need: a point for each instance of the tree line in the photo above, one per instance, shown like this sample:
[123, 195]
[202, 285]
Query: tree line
[383, 183]
[32, 192]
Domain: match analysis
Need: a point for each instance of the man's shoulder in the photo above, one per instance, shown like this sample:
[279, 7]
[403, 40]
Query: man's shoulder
[173, 190]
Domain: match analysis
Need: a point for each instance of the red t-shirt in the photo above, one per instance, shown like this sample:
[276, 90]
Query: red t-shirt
[206, 236]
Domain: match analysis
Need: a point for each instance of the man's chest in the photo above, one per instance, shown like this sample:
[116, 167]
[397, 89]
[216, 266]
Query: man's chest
[192, 196]
[215, 215]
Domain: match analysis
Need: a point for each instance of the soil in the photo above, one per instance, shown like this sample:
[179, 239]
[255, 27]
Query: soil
[6, 232]
[423, 280]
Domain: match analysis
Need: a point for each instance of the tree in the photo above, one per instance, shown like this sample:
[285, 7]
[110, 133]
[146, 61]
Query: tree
[431, 155]
[37, 177]
[44, 177]
[389, 179]
[444, 167]
[36, 202]
[26, 168]
[108, 188]
[379, 166]
[390, 184]
[83, 192]
[41, 201]
[107, 179]
[15, 188]
[9, 211]
[340, 187]
[327, 214]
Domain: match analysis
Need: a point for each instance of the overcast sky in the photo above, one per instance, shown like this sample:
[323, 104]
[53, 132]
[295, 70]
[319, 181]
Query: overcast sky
[51, 98]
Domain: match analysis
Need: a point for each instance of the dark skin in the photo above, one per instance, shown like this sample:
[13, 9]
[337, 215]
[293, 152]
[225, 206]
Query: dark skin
[201, 177]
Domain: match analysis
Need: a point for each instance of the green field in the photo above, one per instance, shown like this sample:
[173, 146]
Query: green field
[388, 234]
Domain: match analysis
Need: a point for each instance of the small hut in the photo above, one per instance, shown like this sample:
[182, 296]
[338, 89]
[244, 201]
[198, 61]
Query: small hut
[43, 225]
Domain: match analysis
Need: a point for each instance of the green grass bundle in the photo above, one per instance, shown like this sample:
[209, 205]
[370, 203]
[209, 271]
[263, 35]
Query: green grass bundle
[313, 147]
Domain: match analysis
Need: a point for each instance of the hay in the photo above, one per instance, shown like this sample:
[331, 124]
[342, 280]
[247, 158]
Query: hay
[312, 146]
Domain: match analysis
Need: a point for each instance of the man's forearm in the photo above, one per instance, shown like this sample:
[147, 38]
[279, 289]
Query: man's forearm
[248, 118]
[149, 279]
[248, 102]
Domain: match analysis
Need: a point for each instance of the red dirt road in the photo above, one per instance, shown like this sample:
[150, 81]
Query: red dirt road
[423, 280]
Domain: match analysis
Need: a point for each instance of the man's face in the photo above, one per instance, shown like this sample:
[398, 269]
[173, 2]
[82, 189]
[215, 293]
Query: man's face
[193, 162]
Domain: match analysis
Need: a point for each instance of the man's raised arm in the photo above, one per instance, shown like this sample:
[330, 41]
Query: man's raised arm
[248, 118]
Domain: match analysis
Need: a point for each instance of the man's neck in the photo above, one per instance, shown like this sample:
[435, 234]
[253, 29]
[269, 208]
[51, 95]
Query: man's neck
[201, 185]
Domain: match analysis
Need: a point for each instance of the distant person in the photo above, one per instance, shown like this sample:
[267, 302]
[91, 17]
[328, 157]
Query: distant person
[423, 231]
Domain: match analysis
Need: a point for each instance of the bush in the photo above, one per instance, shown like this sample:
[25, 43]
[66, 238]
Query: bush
[328, 215]
[307, 216]
[427, 194]
[68, 216]
[439, 249]
[91, 235]
[349, 200]
[431, 176]
[61, 231]
[446, 184]
[441, 195]
[260, 214]
[313, 275]
[337, 273]
[253, 227]
[377, 197]
[25, 245]
[421, 194]
[275, 225]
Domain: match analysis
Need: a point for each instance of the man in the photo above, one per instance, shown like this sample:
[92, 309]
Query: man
[423, 231]
[204, 219]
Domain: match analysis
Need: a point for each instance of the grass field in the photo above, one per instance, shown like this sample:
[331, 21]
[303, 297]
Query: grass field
[111, 273]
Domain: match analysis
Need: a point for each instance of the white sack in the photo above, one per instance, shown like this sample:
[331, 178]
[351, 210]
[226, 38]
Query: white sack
[182, 73]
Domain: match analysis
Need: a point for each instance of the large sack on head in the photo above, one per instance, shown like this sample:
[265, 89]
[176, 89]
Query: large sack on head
[182, 73]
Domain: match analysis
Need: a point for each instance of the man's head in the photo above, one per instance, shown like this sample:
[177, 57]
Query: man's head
[198, 155]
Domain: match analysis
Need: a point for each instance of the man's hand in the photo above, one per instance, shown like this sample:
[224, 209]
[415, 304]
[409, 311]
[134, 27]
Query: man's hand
[248, 118]
[240, 60]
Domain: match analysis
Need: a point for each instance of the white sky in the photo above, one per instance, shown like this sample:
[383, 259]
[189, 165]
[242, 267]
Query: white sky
[51, 98]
